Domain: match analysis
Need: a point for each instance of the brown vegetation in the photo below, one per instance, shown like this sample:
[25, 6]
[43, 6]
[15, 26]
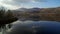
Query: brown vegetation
[51, 14]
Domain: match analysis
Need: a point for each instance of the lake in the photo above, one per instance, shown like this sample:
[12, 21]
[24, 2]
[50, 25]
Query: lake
[44, 27]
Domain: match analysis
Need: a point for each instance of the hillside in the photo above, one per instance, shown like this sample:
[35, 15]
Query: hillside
[52, 14]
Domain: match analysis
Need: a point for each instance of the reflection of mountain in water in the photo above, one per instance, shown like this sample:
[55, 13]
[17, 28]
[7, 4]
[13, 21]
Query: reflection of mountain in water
[41, 27]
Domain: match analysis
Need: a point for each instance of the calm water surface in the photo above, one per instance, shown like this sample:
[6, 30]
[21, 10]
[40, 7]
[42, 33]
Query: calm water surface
[48, 25]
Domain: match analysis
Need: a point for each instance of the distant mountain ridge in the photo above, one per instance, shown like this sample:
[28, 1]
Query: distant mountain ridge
[52, 14]
[25, 9]
[34, 9]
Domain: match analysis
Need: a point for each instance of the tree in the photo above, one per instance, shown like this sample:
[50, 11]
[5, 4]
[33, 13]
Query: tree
[6, 17]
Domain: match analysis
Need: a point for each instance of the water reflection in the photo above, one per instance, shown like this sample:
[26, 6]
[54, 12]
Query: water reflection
[35, 27]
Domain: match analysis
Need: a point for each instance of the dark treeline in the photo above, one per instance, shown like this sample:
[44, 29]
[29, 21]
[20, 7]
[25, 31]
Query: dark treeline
[6, 17]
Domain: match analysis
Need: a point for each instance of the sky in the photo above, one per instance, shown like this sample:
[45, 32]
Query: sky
[15, 4]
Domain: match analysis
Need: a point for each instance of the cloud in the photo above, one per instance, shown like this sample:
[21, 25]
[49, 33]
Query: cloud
[15, 2]
[22, 1]
[9, 6]
[40, 0]
[12, 4]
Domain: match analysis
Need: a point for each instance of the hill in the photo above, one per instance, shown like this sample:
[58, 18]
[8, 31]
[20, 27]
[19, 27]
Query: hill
[51, 14]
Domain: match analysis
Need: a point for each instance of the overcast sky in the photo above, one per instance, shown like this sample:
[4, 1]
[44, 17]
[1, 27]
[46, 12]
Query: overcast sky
[14, 4]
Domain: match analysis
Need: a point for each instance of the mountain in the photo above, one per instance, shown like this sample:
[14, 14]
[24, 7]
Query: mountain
[22, 9]
[28, 10]
[33, 9]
